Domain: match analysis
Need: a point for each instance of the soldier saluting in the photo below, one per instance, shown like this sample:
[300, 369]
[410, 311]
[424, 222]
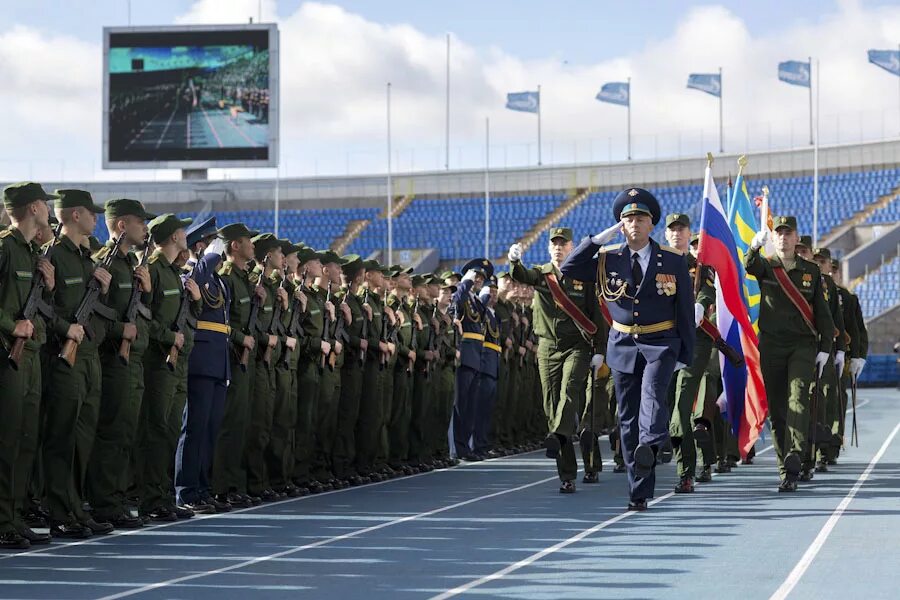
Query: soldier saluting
[648, 291]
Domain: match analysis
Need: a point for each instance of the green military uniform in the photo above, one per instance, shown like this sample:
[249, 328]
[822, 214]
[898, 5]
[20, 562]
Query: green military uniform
[154, 444]
[858, 348]
[445, 379]
[228, 479]
[502, 420]
[788, 346]
[370, 421]
[564, 354]
[109, 472]
[20, 408]
[421, 390]
[829, 402]
[352, 374]
[262, 401]
[175, 417]
[400, 409]
[73, 400]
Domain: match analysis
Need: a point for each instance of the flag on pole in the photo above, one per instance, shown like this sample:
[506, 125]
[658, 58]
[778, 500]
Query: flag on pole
[616, 92]
[889, 60]
[745, 393]
[711, 83]
[742, 221]
[795, 72]
[529, 102]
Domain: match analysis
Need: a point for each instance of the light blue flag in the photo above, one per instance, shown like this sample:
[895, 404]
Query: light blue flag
[529, 102]
[711, 83]
[743, 224]
[889, 60]
[795, 72]
[616, 92]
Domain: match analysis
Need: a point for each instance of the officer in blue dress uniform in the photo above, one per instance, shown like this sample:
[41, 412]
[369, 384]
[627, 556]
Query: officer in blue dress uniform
[489, 370]
[209, 371]
[648, 291]
[470, 312]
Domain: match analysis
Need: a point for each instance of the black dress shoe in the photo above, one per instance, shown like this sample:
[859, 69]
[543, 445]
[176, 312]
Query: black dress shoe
[832, 461]
[200, 507]
[162, 515]
[145, 519]
[567, 487]
[705, 475]
[182, 512]
[684, 486]
[220, 507]
[722, 467]
[793, 465]
[13, 541]
[99, 528]
[71, 531]
[637, 505]
[234, 499]
[643, 460]
[34, 538]
[472, 457]
[251, 499]
[553, 445]
[665, 453]
[822, 466]
[620, 468]
[36, 517]
[266, 495]
[591, 477]
[125, 521]
[806, 474]
[452, 462]
[787, 486]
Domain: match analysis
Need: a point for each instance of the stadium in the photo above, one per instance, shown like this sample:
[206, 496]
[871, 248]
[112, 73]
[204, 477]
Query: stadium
[382, 378]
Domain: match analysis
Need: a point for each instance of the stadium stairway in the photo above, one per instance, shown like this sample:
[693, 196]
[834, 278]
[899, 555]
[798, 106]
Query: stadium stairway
[354, 228]
[874, 212]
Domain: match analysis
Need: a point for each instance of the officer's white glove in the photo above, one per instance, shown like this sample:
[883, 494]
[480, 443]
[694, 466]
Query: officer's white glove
[699, 311]
[470, 275]
[515, 253]
[760, 239]
[606, 235]
[597, 361]
[821, 360]
[839, 363]
[484, 295]
[679, 366]
[217, 246]
[856, 366]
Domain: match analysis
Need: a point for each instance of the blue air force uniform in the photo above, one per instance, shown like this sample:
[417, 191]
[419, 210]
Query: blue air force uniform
[470, 311]
[653, 329]
[209, 370]
[488, 371]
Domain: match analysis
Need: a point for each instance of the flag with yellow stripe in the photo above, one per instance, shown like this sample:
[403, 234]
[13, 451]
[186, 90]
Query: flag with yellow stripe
[742, 221]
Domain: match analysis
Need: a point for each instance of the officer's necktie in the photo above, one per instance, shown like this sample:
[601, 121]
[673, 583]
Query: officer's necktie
[637, 274]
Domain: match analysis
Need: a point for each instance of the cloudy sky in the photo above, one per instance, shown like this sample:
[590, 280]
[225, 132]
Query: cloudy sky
[338, 56]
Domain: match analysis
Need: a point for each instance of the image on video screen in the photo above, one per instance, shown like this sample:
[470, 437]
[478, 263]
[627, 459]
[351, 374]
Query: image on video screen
[189, 102]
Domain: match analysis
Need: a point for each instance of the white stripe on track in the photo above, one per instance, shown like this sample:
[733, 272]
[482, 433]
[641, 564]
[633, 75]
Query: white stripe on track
[809, 556]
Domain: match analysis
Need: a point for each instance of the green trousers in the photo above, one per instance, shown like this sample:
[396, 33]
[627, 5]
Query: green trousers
[154, 458]
[343, 453]
[109, 470]
[445, 380]
[563, 374]
[420, 410]
[370, 423]
[71, 423]
[829, 409]
[259, 428]
[325, 424]
[19, 414]
[595, 418]
[175, 419]
[684, 391]
[280, 454]
[401, 414]
[308, 380]
[228, 461]
[787, 371]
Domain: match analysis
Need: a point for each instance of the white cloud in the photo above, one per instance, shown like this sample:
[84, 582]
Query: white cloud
[334, 66]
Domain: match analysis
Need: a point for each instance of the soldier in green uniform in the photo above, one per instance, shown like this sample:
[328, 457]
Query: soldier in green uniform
[401, 413]
[686, 382]
[269, 258]
[572, 336]
[326, 287]
[445, 377]
[858, 348]
[421, 390]
[26, 204]
[73, 399]
[503, 410]
[228, 480]
[352, 373]
[795, 339]
[160, 378]
[108, 475]
[829, 394]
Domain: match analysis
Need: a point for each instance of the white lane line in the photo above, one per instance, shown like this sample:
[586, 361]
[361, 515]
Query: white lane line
[62, 545]
[324, 542]
[166, 129]
[550, 550]
[794, 577]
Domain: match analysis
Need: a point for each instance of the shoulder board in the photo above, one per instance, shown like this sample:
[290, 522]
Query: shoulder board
[670, 249]
[546, 268]
[253, 277]
[611, 248]
[226, 268]
[101, 254]
[5, 233]
[153, 258]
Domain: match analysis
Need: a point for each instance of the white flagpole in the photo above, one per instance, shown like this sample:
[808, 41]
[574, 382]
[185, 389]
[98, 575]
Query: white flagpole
[539, 125]
[447, 112]
[816, 157]
[390, 187]
[277, 197]
[721, 150]
[629, 118]
[810, 103]
[487, 188]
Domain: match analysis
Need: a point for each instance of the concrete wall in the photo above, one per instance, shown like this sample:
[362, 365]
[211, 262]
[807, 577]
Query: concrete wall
[884, 331]
[885, 246]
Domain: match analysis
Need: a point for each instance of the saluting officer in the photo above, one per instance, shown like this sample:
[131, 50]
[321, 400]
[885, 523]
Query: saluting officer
[648, 291]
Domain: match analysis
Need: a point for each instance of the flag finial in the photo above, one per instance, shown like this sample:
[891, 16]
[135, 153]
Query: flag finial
[709, 159]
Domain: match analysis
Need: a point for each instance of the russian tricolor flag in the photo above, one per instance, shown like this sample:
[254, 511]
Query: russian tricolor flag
[745, 392]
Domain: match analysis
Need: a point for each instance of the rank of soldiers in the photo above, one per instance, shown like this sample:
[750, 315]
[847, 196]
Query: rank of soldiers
[186, 367]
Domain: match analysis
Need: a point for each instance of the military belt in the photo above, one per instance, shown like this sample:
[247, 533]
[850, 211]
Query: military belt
[213, 326]
[493, 347]
[473, 336]
[642, 329]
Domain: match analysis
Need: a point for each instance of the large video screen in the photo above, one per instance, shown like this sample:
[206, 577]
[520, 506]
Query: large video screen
[191, 97]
